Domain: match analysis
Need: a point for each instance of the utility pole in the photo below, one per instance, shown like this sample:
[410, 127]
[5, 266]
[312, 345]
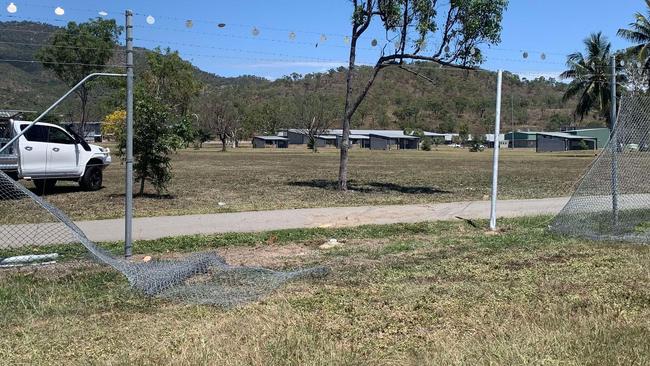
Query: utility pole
[495, 159]
[128, 200]
[614, 144]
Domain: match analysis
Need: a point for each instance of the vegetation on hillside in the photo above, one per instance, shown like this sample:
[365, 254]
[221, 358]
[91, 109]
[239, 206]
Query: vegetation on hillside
[456, 99]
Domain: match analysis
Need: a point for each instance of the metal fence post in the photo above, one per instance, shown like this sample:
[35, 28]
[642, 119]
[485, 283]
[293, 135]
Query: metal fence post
[614, 144]
[128, 200]
[495, 159]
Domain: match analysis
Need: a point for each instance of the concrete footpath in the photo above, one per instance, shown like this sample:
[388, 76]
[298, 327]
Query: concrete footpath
[165, 226]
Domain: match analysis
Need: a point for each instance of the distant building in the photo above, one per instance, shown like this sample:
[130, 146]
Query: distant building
[361, 141]
[520, 139]
[325, 140]
[601, 135]
[260, 142]
[296, 136]
[489, 140]
[561, 141]
[441, 138]
[393, 140]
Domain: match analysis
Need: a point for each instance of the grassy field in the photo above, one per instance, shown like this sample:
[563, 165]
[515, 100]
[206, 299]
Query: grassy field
[431, 293]
[266, 179]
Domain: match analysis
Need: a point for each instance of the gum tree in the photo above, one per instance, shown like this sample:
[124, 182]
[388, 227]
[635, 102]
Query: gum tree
[454, 28]
[80, 49]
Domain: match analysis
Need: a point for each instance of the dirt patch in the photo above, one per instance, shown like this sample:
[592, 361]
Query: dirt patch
[272, 256]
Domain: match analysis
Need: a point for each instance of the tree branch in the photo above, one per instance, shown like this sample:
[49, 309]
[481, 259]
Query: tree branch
[417, 74]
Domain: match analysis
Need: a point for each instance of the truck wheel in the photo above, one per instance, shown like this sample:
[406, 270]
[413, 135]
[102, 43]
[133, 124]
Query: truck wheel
[92, 179]
[44, 185]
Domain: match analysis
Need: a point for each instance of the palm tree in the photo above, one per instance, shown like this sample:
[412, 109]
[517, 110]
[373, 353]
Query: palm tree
[590, 77]
[639, 33]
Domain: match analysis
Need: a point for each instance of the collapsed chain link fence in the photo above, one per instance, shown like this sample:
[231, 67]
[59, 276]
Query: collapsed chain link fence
[612, 201]
[27, 222]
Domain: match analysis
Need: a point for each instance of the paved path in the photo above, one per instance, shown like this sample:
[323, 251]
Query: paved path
[166, 226]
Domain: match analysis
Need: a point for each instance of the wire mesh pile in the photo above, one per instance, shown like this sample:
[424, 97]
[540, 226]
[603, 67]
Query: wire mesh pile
[27, 223]
[612, 201]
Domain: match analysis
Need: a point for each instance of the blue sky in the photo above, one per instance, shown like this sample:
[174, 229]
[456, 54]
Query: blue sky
[553, 27]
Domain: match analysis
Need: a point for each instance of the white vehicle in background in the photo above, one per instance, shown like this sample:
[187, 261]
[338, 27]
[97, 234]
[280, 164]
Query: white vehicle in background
[47, 153]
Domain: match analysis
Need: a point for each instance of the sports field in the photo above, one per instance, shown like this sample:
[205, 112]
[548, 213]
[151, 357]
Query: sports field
[265, 179]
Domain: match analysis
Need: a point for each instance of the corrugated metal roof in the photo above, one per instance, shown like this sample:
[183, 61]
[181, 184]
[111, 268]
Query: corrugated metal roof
[326, 137]
[271, 138]
[566, 136]
[339, 132]
[360, 137]
[393, 135]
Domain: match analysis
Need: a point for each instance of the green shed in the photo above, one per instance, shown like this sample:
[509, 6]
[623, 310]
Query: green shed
[600, 134]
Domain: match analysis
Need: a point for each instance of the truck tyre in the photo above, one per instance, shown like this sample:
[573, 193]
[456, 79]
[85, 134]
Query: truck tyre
[44, 185]
[92, 179]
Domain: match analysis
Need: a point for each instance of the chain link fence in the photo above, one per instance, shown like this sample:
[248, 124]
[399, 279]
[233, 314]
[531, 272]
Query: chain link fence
[612, 201]
[30, 226]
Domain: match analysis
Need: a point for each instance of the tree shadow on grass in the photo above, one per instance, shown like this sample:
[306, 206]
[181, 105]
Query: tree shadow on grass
[370, 187]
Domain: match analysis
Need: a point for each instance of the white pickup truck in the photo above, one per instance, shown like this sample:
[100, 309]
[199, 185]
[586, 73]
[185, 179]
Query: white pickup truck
[47, 153]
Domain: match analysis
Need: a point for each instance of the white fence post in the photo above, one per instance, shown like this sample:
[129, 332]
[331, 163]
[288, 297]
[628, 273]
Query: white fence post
[495, 159]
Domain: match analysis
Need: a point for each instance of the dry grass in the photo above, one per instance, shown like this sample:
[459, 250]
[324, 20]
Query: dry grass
[265, 179]
[438, 293]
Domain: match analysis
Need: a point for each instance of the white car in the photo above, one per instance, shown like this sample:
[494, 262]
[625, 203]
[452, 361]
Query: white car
[47, 153]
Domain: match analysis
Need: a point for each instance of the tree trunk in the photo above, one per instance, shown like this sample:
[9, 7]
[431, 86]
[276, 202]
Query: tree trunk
[345, 139]
[223, 144]
[141, 186]
[84, 105]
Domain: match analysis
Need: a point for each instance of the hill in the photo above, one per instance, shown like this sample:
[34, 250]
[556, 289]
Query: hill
[398, 99]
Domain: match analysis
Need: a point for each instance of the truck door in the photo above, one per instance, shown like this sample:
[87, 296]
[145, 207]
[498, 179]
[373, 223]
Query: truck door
[62, 153]
[33, 151]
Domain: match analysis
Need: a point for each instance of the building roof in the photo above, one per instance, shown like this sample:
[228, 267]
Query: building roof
[393, 135]
[587, 129]
[339, 132]
[326, 137]
[360, 137]
[567, 136]
[271, 138]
